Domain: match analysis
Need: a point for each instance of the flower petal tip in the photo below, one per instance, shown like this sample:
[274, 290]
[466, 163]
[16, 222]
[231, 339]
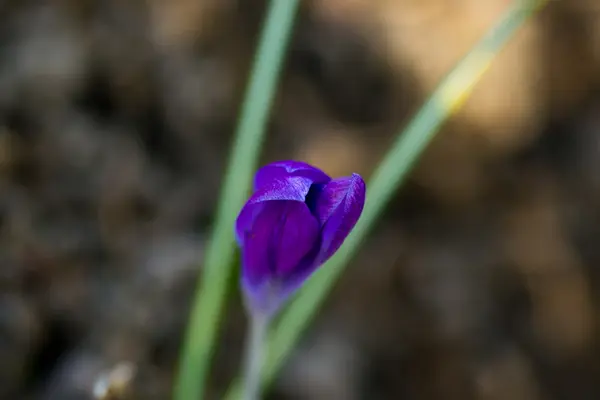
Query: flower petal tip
[286, 169]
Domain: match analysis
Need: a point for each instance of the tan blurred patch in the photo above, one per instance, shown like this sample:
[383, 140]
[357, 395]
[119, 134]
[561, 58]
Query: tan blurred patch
[509, 375]
[334, 151]
[181, 22]
[563, 312]
[9, 150]
[562, 308]
[451, 169]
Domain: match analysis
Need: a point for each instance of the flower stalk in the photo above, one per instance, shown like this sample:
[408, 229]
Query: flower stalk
[255, 355]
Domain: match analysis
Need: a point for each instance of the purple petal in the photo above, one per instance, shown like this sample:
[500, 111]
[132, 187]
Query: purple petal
[283, 169]
[338, 206]
[281, 235]
[289, 188]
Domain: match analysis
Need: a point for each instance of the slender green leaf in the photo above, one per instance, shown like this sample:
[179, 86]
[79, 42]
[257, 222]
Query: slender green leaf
[208, 304]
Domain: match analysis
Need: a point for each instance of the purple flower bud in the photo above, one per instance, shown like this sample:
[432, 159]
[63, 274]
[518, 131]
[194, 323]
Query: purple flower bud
[296, 219]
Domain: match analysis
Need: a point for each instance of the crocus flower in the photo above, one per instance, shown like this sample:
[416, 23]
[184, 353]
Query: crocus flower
[295, 220]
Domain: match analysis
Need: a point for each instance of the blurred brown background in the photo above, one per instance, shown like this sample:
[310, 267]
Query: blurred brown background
[115, 121]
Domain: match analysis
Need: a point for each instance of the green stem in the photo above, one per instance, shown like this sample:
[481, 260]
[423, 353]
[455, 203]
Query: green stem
[255, 355]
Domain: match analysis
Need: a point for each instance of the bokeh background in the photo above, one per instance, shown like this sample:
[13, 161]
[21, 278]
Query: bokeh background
[116, 116]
